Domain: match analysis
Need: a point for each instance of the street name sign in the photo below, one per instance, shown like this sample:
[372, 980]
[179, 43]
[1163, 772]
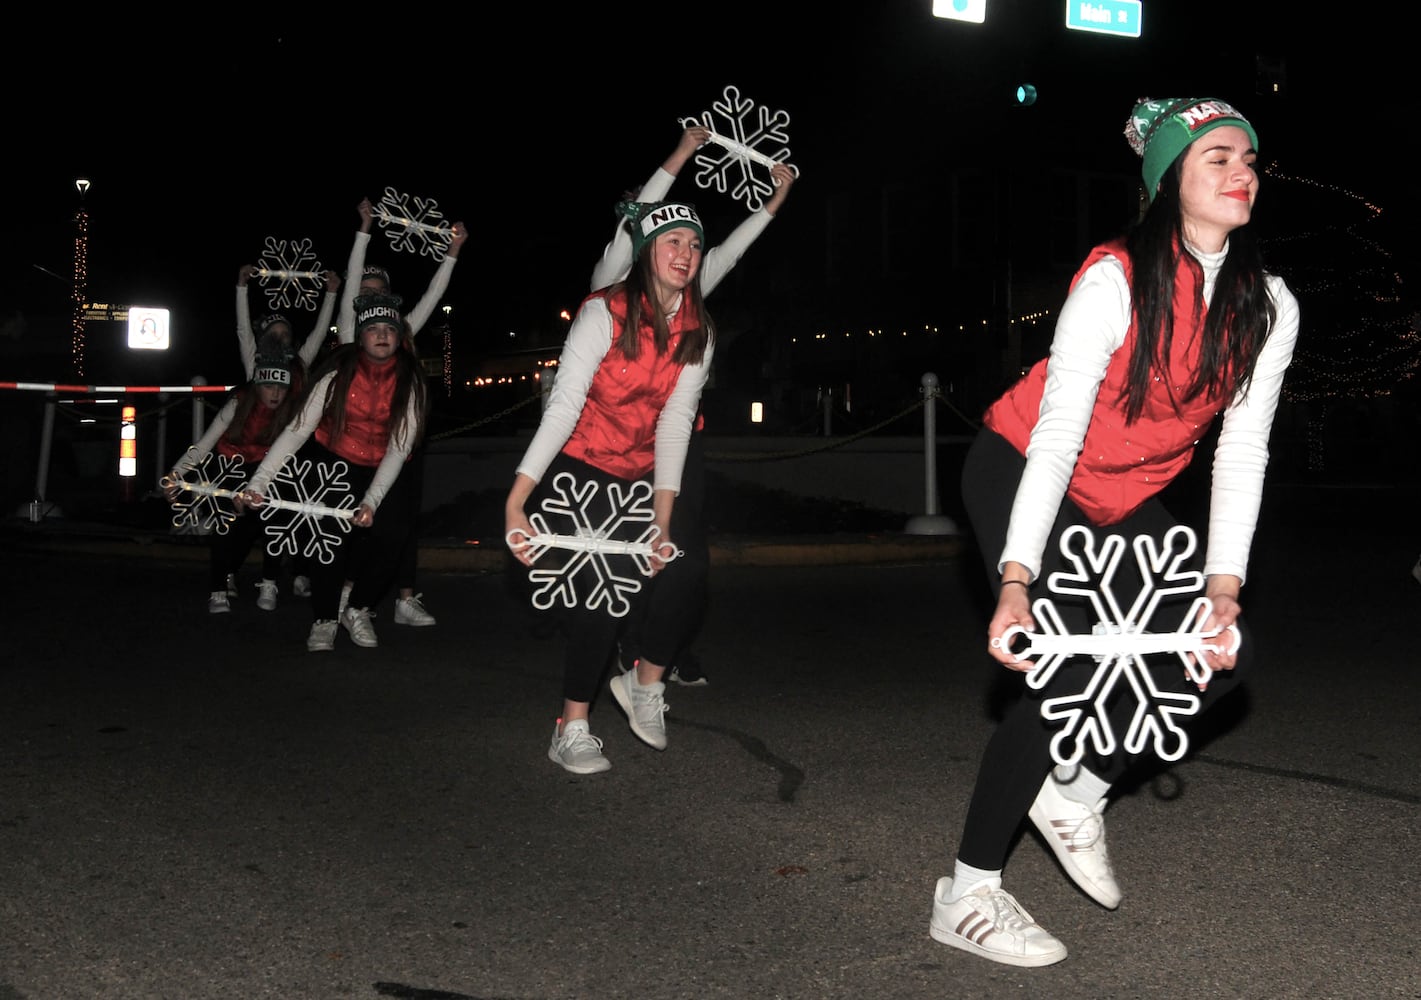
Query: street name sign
[1108, 17]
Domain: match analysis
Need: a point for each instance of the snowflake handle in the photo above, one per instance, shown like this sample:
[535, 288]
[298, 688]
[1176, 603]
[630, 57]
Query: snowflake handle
[388, 218]
[739, 148]
[312, 509]
[274, 503]
[300, 507]
[519, 541]
[1113, 644]
[263, 272]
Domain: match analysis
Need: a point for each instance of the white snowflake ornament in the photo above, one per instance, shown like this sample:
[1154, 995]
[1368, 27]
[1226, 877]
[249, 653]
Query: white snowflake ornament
[1119, 644]
[751, 140]
[290, 274]
[204, 503]
[414, 225]
[308, 508]
[596, 534]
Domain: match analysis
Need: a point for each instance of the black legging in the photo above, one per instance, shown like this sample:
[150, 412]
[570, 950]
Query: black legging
[1018, 755]
[668, 612]
[230, 549]
[366, 556]
[666, 622]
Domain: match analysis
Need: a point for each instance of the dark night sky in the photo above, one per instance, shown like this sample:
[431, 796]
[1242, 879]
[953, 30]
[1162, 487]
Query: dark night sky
[204, 138]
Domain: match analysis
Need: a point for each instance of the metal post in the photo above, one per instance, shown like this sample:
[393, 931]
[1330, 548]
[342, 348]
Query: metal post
[39, 510]
[827, 396]
[160, 449]
[934, 522]
[197, 414]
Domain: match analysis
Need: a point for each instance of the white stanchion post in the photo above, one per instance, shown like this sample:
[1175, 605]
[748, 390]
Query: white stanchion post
[933, 522]
[38, 508]
[197, 416]
[160, 449]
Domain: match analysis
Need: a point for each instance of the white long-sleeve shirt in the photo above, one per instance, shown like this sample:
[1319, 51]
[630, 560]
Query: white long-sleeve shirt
[1091, 328]
[202, 447]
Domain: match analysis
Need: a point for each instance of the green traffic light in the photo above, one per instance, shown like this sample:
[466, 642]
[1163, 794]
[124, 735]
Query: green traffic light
[1026, 94]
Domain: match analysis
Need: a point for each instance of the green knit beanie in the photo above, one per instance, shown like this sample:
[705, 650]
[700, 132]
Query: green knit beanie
[1158, 131]
[647, 219]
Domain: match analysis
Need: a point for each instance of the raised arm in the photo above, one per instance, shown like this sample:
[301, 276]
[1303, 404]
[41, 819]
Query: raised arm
[419, 315]
[246, 339]
[317, 336]
[722, 257]
[616, 258]
[354, 268]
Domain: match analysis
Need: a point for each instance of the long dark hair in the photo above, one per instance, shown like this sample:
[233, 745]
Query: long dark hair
[1238, 320]
[638, 285]
[409, 384]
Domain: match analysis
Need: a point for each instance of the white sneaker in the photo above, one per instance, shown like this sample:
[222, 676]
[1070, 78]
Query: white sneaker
[301, 586]
[1076, 834]
[231, 584]
[410, 611]
[645, 707]
[323, 636]
[266, 595]
[991, 923]
[577, 750]
[218, 603]
[357, 623]
[344, 598]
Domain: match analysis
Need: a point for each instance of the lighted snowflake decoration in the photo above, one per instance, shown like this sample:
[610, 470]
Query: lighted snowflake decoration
[290, 275]
[746, 141]
[414, 225]
[597, 533]
[308, 508]
[1119, 644]
[204, 503]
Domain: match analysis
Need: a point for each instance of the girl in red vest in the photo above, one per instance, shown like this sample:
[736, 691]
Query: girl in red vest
[628, 387]
[366, 407]
[1165, 329]
[246, 427]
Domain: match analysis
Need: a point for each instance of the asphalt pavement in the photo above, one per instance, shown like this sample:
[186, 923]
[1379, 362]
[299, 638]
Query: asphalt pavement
[194, 807]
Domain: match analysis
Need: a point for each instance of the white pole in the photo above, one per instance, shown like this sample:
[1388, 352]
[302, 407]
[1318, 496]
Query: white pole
[197, 416]
[161, 450]
[933, 522]
[39, 510]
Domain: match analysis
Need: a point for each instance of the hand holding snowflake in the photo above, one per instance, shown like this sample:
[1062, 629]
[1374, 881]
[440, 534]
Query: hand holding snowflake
[300, 504]
[201, 493]
[597, 533]
[1119, 644]
[416, 225]
[751, 141]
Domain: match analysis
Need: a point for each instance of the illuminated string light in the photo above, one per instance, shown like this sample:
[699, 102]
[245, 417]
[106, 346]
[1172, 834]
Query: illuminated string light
[81, 279]
[1358, 338]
